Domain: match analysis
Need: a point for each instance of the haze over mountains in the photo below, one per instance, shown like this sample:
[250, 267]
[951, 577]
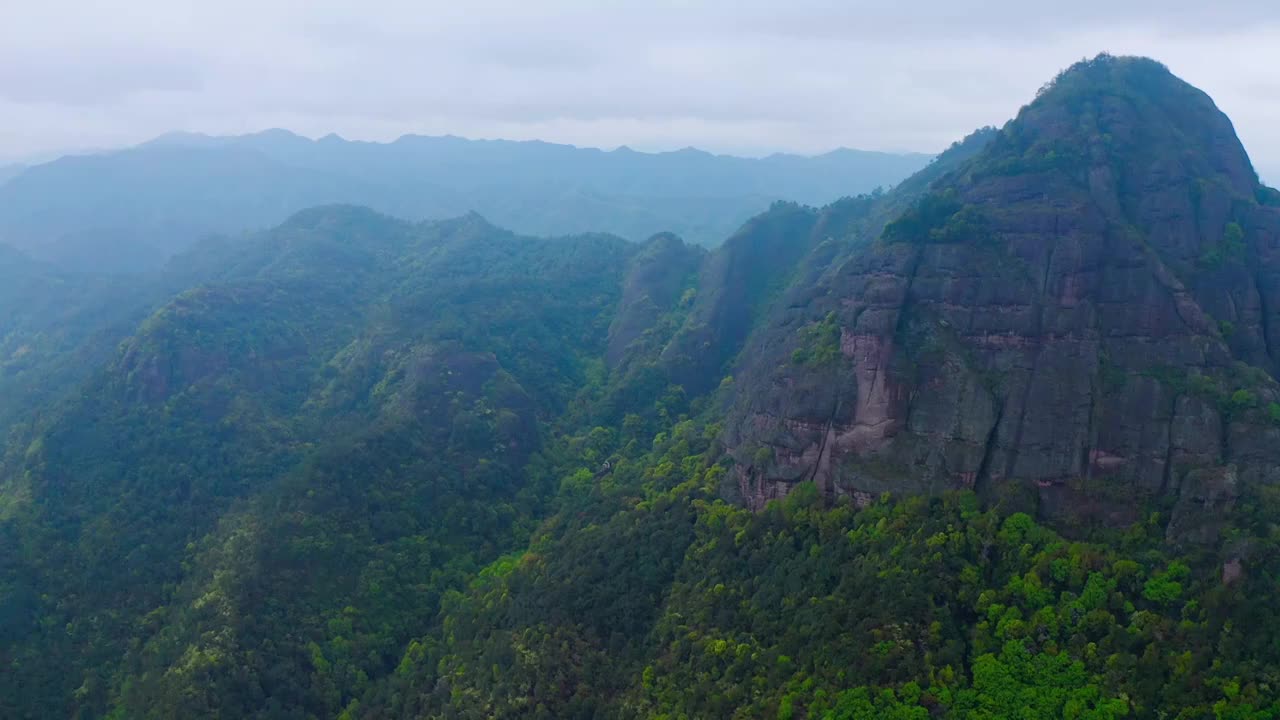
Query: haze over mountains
[133, 208]
[1000, 442]
[8, 171]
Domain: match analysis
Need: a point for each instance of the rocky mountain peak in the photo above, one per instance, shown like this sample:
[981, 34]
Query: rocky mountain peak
[1129, 114]
[1079, 321]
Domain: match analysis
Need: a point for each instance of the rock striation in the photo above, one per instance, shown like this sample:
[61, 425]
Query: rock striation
[1080, 320]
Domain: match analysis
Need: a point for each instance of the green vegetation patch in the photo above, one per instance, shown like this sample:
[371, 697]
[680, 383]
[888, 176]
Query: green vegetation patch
[819, 343]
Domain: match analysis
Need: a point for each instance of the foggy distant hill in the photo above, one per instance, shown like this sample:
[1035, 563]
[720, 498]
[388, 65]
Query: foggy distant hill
[135, 207]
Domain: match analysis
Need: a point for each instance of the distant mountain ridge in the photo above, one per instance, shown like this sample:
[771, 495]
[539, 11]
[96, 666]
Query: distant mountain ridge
[133, 208]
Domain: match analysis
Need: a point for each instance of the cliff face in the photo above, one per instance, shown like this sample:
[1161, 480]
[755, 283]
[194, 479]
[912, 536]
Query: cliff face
[777, 259]
[1080, 320]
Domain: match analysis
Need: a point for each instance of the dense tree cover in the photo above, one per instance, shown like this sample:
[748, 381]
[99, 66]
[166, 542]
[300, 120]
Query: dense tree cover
[292, 461]
[56, 328]
[678, 605]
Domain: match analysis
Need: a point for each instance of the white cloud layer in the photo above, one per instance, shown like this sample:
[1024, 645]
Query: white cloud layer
[738, 76]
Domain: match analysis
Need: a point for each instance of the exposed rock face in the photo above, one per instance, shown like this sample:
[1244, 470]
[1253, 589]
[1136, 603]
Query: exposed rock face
[777, 257]
[734, 283]
[1080, 321]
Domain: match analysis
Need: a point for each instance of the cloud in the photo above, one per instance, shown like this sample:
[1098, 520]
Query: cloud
[745, 76]
[95, 78]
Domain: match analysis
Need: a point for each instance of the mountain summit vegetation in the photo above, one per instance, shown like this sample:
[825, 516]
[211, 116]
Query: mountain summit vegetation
[1001, 442]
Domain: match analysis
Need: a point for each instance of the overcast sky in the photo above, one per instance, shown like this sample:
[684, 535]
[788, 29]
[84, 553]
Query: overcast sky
[738, 76]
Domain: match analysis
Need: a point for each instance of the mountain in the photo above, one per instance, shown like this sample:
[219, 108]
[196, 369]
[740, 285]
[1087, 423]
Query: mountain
[1054, 343]
[995, 443]
[133, 208]
[1081, 323]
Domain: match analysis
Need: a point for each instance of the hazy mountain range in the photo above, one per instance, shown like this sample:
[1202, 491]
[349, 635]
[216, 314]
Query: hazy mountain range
[132, 208]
